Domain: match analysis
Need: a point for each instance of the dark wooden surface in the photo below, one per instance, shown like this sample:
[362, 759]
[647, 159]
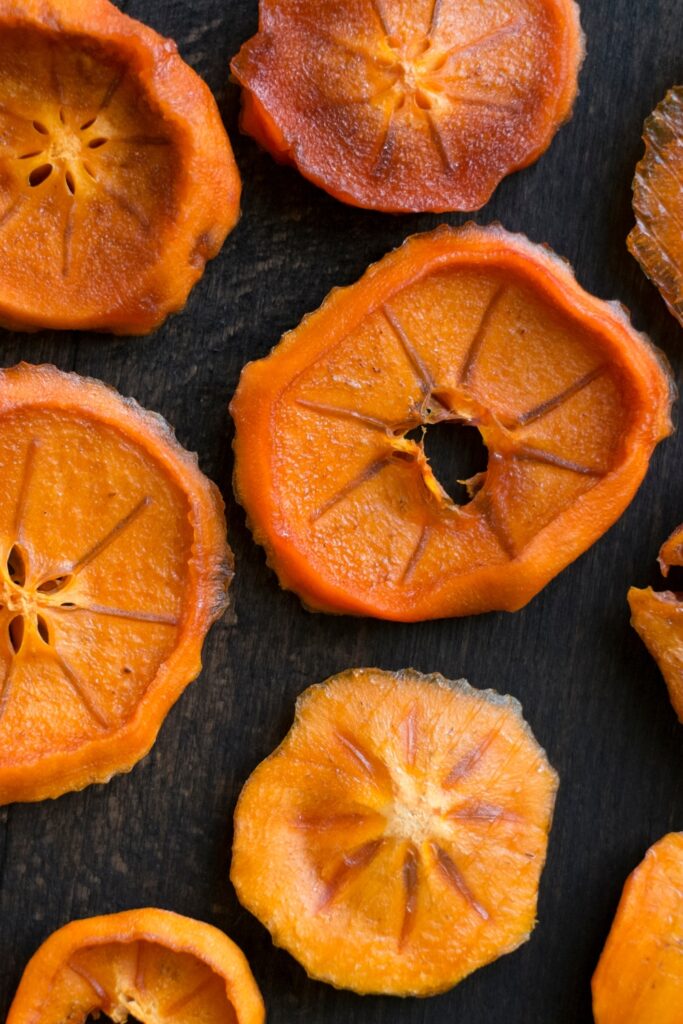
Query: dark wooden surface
[161, 835]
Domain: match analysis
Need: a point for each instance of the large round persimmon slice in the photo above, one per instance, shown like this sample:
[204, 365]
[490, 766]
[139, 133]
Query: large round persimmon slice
[657, 239]
[394, 842]
[639, 979]
[657, 617]
[410, 106]
[475, 327]
[117, 180]
[148, 965]
[113, 565]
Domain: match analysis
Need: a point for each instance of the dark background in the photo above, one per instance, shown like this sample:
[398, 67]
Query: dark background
[161, 835]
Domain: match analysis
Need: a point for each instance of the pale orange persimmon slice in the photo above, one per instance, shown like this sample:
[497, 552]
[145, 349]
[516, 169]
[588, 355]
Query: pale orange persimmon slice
[472, 326]
[113, 565]
[395, 840]
[149, 965]
[639, 979]
[117, 179]
[410, 106]
[657, 239]
[657, 617]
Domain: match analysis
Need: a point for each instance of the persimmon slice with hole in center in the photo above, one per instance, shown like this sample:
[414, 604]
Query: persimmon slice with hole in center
[657, 617]
[402, 106]
[117, 180]
[639, 979]
[472, 326]
[395, 840]
[150, 965]
[113, 565]
[657, 239]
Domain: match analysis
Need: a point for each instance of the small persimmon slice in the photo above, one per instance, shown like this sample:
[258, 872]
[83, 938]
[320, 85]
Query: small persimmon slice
[394, 841]
[657, 617]
[150, 965]
[657, 239]
[117, 179]
[472, 326]
[402, 106]
[113, 565]
[639, 979]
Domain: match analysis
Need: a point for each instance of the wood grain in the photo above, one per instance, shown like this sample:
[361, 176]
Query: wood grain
[161, 835]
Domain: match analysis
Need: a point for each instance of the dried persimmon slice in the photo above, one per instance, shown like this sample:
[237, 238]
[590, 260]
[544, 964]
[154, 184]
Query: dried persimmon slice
[639, 979]
[657, 239]
[117, 179]
[113, 565]
[419, 106]
[476, 327]
[403, 823]
[657, 617]
[149, 965]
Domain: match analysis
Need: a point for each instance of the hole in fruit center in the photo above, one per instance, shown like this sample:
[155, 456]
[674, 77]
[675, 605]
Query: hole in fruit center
[455, 452]
[16, 566]
[16, 630]
[97, 143]
[39, 174]
[43, 630]
[54, 585]
[102, 1018]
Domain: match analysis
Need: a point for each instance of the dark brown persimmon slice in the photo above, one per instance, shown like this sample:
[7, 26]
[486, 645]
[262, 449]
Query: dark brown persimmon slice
[657, 239]
[149, 965]
[394, 842]
[410, 106]
[117, 180]
[657, 617]
[113, 566]
[639, 979]
[477, 327]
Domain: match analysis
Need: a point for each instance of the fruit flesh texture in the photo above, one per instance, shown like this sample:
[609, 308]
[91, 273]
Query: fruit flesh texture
[657, 239]
[404, 822]
[480, 342]
[97, 226]
[657, 616]
[639, 979]
[410, 106]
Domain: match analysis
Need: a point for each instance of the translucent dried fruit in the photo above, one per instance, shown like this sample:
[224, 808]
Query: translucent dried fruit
[657, 617]
[419, 106]
[394, 842]
[639, 979]
[657, 239]
[477, 327]
[149, 965]
[113, 565]
[117, 180]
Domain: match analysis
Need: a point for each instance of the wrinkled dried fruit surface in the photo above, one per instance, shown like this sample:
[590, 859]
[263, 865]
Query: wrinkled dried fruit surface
[410, 106]
[113, 565]
[117, 180]
[474, 327]
[149, 965]
[394, 842]
[657, 239]
[639, 979]
[657, 617]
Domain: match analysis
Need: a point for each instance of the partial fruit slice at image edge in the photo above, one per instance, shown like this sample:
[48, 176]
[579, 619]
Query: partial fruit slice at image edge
[394, 842]
[117, 179]
[639, 979]
[114, 563]
[657, 617]
[459, 328]
[149, 964]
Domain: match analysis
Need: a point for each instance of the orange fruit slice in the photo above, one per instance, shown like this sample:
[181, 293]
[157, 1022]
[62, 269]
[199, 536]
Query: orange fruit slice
[475, 327]
[117, 180]
[113, 565]
[394, 842]
[657, 617]
[410, 106]
[639, 979]
[657, 239]
[150, 965]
